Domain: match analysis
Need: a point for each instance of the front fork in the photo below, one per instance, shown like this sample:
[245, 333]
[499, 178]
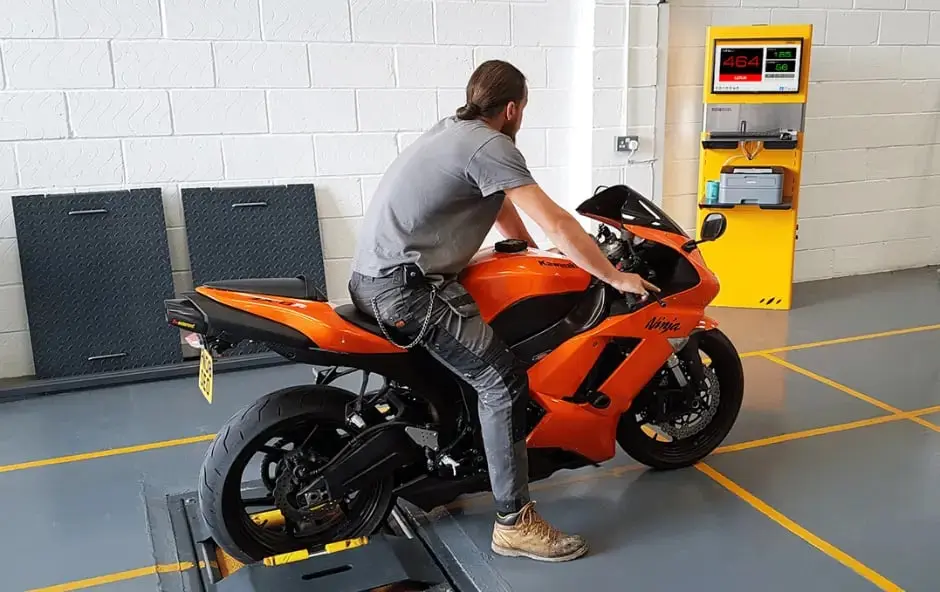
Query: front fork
[688, 353]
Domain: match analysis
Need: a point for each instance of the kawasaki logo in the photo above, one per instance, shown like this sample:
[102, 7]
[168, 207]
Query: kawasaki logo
[565, 265]
[663, 325]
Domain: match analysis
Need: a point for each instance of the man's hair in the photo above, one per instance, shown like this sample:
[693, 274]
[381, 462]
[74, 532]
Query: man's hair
[492, 86]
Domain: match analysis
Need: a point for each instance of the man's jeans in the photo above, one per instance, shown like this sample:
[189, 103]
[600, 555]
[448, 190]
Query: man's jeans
[459, 338]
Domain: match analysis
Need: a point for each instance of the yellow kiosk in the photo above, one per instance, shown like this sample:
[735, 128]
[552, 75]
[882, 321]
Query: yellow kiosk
[756, 83]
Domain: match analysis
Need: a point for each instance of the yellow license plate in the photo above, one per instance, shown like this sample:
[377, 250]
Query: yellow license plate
[205, 374]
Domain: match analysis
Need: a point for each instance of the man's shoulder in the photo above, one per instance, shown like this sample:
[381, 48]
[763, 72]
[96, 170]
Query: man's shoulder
[474, 132]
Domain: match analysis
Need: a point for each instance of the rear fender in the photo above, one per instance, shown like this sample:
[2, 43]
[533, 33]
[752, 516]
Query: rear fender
[317, 321]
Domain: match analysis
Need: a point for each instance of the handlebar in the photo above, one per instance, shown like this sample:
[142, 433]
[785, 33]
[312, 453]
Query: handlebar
[658, 299]
[632, 302]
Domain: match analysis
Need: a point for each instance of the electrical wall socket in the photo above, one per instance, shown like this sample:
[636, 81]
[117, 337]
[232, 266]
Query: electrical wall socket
[628, 143]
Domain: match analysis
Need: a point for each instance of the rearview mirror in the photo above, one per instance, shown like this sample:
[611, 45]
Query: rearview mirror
[713, 227]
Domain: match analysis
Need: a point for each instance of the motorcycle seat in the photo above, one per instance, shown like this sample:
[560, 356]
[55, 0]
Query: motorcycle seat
[296, 287]
[351, 314]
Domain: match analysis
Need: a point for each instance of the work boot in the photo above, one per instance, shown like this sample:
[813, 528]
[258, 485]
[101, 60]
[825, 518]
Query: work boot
[526, 534]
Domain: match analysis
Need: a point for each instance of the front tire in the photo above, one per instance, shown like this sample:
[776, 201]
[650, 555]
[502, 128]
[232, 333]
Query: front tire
[668, 455]
[277, 416]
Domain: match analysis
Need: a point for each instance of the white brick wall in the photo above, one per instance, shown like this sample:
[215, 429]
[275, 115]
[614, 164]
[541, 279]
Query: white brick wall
[301, 20]
[462, 23]
[162, 64]
[293, 111]
[35, 64]
[219, 111]
[107, 18]
[151, 160]
[27, 18]
[352, 66]
[434, 67]
[212, 19]
[254, 64]
[268, 157]
[870, 199]
[111, 113]
[107, 94]
[70, 163]
[31, 115]
[392, 21]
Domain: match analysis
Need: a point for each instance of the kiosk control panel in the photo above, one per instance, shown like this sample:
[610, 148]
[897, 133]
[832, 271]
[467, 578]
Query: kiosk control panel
[754, 91]
[748, 67]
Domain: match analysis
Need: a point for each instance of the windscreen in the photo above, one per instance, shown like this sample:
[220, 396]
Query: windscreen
[621, 204]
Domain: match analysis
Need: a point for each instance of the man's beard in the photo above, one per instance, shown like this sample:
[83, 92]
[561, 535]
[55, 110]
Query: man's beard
[510, 129]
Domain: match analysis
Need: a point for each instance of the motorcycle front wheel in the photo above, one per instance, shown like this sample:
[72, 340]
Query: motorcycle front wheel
[684, 443]
[288, 430]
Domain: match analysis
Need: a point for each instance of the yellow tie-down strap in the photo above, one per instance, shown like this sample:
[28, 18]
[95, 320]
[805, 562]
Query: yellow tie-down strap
[285, 558]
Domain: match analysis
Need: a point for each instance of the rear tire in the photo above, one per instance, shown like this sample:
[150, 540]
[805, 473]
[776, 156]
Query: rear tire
[726, 363]
[220, 479]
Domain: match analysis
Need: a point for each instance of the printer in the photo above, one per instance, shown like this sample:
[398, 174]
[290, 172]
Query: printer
[751, 185]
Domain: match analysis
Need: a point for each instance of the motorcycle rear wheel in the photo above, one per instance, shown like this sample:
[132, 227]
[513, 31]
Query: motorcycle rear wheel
[278, 415]
[677, 454]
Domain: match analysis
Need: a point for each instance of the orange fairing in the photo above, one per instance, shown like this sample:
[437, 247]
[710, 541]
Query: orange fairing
[590, 431]
[707, 324]
[583, 428]
[498, 280]
[702, 294]
[316, 320]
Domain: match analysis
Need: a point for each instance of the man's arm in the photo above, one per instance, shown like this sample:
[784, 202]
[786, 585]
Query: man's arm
[565, 232]
[510, 225]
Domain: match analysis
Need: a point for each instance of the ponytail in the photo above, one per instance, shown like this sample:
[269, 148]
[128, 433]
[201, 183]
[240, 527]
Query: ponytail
[469, 111]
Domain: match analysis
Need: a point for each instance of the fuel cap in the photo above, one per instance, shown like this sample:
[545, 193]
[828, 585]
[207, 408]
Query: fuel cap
[511, 245]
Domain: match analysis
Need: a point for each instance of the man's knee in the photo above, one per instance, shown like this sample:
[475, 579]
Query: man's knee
[520, 402]
[514, 394]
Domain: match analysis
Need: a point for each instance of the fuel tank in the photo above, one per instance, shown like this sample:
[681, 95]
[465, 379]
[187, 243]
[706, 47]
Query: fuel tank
[498, 280]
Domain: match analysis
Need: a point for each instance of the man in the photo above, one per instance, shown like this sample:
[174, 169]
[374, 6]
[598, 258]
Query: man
[429, 216]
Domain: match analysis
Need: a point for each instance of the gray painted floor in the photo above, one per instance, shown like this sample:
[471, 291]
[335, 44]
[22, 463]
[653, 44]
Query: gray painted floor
[871, 491]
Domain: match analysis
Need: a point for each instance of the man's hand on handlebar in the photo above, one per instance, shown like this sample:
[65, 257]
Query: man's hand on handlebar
[632, 283]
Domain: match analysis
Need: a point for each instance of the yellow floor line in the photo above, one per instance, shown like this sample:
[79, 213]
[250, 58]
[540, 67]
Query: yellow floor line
[831, 383]
[120, 576]
[829, 549]
[842, 427]
[841, 340]
[60, 460]
[897, 413]
[923, 422]
[832, 429]
[208, 437]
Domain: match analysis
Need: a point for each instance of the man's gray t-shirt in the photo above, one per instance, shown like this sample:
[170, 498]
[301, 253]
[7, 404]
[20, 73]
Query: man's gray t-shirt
[439, 199]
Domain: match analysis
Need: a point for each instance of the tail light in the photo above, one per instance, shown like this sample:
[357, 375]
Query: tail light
[195, 340]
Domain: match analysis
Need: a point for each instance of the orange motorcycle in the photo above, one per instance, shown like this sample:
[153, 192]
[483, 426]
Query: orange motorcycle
[655, 376]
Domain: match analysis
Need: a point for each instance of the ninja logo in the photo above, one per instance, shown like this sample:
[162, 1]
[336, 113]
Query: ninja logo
[663, 325]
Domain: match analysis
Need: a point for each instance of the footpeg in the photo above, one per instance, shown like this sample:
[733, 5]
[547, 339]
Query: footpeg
[449, 462]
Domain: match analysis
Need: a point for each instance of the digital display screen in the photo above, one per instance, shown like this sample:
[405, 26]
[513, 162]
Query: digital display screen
[756, 68]
[781, 53]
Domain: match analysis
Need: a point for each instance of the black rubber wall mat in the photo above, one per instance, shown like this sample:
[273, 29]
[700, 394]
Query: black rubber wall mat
[96, 270]
[253, 232]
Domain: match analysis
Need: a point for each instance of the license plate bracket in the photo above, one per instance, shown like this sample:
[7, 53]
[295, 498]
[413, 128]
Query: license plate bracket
[206, 374]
